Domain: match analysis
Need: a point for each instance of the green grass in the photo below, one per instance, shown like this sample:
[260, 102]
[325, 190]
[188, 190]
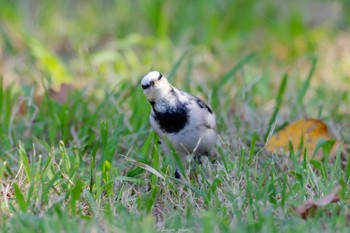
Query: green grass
[92, 164]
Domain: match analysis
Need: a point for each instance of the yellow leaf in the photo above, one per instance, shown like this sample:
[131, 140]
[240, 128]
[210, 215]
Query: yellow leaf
[305, 132]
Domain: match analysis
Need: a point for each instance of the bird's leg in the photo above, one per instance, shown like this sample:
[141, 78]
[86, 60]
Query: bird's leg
[198, 158]
[177, 173]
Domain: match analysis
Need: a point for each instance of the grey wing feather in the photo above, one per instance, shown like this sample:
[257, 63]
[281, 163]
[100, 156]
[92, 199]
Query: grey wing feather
[201, 104]
[198, 101]
[209, 119]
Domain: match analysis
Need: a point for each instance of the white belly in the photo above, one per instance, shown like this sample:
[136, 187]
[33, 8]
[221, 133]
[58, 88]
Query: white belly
[193, 141]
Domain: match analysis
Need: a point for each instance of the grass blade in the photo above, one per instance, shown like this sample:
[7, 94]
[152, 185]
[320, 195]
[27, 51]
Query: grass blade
[306, 85]
[176, 66]
[112, 143]
[23, 205]
[25, 161]
[279, 100]
[75, 195]
[145, 166]
[347, 173]
[188, 74]
[48, 61]
[176, 157]
[230, 74]
[252, 147]
[92, 167]
[1, 98]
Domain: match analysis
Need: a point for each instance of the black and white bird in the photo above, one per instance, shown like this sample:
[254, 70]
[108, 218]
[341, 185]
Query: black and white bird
[185, 120]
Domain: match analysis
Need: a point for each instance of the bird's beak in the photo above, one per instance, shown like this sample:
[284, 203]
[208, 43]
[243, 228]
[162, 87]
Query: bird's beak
[146, 91]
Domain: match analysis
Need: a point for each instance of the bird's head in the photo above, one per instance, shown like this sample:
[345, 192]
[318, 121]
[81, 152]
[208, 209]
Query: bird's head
[155, 85]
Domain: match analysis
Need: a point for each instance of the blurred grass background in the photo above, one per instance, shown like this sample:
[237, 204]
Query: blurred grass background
[101, 45]
[130, 34]
[233, 54]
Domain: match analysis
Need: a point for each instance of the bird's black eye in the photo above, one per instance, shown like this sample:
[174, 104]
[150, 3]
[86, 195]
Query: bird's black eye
[145, 86]
[151, 84]
[160, 76]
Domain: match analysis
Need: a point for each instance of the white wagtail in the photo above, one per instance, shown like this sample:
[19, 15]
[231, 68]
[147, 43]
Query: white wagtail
[185, 120]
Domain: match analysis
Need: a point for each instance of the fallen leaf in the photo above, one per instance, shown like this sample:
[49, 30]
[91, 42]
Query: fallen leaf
[23, 105]
[60, 96]
[309, 207]
[305, 133]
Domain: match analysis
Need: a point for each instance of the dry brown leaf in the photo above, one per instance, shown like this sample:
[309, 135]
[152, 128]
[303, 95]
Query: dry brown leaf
[60, 96]
[307, 131]
[310, 206]
[23, 104]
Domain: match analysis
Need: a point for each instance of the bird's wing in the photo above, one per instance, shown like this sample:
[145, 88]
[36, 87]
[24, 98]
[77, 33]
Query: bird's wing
[200, 103]
[202, 109]
[203, 105]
